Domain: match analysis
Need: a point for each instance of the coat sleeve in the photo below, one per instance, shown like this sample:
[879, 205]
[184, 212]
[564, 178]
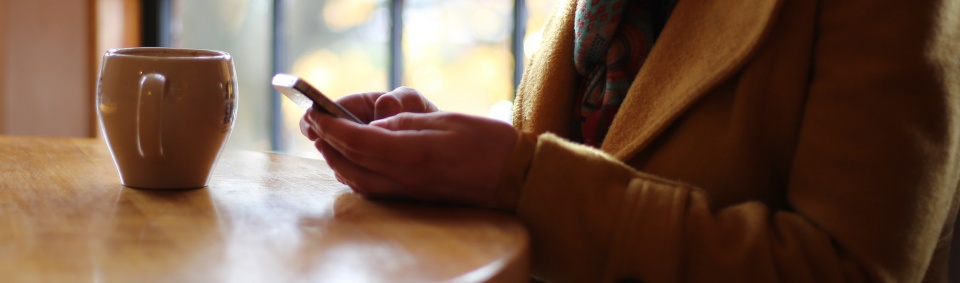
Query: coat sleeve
[871, 185]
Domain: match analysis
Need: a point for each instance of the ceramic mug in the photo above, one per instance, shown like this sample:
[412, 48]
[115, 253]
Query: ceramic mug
[166, 113]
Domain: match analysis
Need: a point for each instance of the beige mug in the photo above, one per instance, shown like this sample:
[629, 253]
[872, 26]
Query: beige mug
[166, 113]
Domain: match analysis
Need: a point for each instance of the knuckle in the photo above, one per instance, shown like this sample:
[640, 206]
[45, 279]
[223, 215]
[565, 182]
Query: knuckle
[402, 120]
[405, 90]
[412, 101]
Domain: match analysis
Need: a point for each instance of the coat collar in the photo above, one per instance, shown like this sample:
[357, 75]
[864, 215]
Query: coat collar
[702, 44]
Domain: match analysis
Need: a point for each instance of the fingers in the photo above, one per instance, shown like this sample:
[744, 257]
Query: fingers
[364, 143]
[402, 99]
[306, 128]
[362, 105]
[370, 106]
[386, 106]
[434, 156]
[347, 172]
[397, 155]
[359, 179]
[418, 122]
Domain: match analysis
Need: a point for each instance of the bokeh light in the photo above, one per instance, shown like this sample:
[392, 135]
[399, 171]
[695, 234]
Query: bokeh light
[456, 52]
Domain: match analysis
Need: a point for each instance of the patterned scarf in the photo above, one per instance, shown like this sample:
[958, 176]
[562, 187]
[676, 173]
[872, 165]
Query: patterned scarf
[612, 40]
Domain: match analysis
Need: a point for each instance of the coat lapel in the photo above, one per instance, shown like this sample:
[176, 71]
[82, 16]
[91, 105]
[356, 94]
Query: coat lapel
[702, 44]
[545, 96]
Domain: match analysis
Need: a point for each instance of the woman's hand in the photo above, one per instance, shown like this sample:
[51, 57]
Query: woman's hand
[372, 106]
[437, 156]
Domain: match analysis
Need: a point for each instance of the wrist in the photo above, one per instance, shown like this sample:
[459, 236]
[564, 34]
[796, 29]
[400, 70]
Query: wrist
[514, 172]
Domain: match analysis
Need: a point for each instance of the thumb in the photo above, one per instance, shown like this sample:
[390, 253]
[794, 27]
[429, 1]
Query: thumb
[386, 106]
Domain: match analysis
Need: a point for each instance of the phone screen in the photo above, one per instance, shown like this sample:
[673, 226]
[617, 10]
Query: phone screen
[305, 95]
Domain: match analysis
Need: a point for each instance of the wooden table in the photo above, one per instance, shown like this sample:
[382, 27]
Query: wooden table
[64, 217]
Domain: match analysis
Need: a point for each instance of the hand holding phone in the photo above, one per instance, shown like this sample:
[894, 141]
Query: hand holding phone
[305, 95]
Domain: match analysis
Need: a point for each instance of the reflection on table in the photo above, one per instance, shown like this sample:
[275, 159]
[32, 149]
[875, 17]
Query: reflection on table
[264, 217]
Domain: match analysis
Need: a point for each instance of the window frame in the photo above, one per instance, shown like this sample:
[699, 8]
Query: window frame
[156, 17]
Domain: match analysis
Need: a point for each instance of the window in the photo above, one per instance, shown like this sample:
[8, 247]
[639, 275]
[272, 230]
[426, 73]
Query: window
[458, 53]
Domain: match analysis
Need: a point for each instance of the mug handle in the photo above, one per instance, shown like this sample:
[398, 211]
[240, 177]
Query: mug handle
[149, 109]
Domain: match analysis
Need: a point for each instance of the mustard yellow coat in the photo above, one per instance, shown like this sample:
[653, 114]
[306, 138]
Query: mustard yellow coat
[763, 141]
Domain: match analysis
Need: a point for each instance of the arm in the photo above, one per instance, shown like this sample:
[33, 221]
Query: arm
[873, 177]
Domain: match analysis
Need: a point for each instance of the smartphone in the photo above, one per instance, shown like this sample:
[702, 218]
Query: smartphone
[305, 95]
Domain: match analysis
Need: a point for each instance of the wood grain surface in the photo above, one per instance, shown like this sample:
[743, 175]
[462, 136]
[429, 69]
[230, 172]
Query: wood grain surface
[64, 217]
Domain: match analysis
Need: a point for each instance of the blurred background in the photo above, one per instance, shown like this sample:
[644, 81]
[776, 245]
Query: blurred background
[465, 55]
